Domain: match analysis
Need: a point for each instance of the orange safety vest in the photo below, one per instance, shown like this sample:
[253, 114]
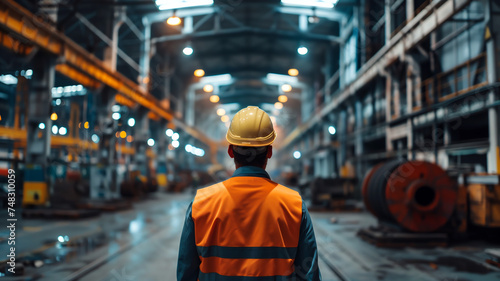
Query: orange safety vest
[246, 226]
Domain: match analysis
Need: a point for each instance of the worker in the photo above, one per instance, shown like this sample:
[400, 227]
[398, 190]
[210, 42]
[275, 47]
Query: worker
[248, 227]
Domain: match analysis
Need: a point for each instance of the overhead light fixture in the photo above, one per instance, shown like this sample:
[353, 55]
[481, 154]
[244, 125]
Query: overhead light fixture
[123, 134]
[199, 73]
[286, 88]
[302, 50]
[282, 78]
[222, 78]
[63, 131]
[53, 116]
[214, 98]
[115, 108]
[283, 98]
[199, 152]
[131, 122]
[130, 138]
[179, 4]
[188, 50]
[68, 91]
[221, 111]
[278, 105]
[293, 72]
[332, 130]
[8, 79]
[313, 19]
[174, 20]
[175, 136]
[86, 125]
[224, 118]
[116, 116]
[175, 144]
[297, 154]
[41, 126]
[151, 142]
[55, 129]
[208, 88]
[169, 132]
[327, 4]
[95, 138]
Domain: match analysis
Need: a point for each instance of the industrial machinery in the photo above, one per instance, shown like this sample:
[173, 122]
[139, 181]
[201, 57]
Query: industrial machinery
[419, 196]
[331, 192]
[418, 202]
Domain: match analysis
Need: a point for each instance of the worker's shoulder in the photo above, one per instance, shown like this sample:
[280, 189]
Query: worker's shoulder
[286, 191]
[208, 191]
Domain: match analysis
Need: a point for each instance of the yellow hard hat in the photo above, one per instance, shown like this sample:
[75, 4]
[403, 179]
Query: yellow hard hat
[251, 126]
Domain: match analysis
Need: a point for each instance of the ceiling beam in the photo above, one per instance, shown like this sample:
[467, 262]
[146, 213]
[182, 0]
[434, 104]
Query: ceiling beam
[182, 13]
[232, 32]
[247, 52]
[330, 14]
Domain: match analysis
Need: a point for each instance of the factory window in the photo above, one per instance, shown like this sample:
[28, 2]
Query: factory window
[350, 57]
[403, 106]
[460, 52]
[417, 99]
[368, 112]
[398, 14]
[419, 5]
[380, 106]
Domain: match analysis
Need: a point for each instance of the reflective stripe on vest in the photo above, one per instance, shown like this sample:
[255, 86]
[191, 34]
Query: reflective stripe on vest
[247, 227]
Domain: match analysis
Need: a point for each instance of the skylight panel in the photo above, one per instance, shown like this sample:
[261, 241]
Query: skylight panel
[179, 4]
[328, 4]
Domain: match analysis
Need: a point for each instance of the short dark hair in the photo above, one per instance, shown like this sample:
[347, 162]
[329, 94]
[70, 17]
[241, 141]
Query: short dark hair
[250, 156]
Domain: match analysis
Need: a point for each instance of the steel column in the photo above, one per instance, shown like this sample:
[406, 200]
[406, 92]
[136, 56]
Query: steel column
[141, 138]
[40, 108]
[388, 21]
[358, 145]
[342, 131]
[492, 10]
[161, 157]
[36, 188]
[102, 174]
[145, 57]
[117, 23]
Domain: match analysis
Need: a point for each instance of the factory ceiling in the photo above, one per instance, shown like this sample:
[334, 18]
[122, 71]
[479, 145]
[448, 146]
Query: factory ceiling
[241, 38]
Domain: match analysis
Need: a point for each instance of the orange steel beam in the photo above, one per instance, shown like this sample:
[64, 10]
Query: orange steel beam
[125, 149]
[124, 101]
[14, 45]
[78, 76]
[22, 24]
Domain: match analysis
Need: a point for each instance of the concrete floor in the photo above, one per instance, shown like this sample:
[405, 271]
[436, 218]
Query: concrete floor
[142, 244]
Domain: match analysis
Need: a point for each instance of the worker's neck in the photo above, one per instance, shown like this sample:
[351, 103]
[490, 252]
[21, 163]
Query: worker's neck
[239, 166]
